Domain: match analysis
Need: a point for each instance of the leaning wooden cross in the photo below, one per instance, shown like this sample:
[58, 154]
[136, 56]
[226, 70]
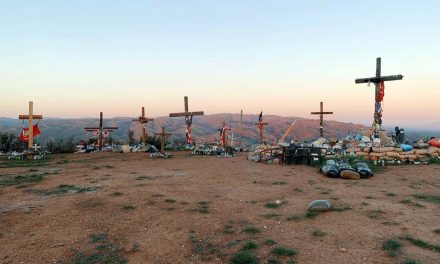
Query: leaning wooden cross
[101, 130]
[30, 117]
[188, 119]
[223, 136]
[321, 114]
[143, 120]
[163, 137]
[260, 125]
[379, 91]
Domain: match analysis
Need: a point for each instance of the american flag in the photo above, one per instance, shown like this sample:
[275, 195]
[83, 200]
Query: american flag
[188, 129]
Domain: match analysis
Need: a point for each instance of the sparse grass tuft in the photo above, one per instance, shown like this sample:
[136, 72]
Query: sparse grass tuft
[437, 231]
[374, 214]
[319, 233]
[106, 252]
[109, 166]
[20, 180]
[170, 201]
[406, 201]
[390, 194]
[428, 198]
[341, 209]
[202, 246]
[243, 257]
[249, 245]
[269, 242]
[251, 229]
[369, 197]
[271, 215]
[294, 217]
[312, 214]
[279, 183]
[22, 163]
[116, 194]
[421, 243]
[66, 188]
[98, 238]
[272, 205]
[228, 229]
[140, 178]
[283, 251]
[273, 260]
[392, 246]
[128, 207]
[298, 190]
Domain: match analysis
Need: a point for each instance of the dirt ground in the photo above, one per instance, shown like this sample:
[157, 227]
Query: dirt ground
[113, 207]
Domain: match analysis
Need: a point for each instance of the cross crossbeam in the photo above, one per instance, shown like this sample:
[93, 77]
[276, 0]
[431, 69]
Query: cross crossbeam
[143, 120]
[321, 114]
[163, 135]
[101, 129]
[30, 117]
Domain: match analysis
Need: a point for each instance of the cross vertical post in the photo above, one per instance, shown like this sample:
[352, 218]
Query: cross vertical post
[321, 114]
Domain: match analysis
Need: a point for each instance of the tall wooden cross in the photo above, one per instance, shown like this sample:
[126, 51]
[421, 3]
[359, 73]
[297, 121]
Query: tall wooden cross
[101, 130]
[260, 126]
[321, 114]
[223, 136]
[163, 136]
[188, 119]
[143, 120]
[379, 91]
[30, 117]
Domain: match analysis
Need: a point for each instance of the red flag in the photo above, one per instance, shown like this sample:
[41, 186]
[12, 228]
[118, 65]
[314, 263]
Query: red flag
[24, 135]
[381, 92]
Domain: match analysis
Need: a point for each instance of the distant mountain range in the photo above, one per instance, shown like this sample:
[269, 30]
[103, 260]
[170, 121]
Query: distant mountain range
[204, 127]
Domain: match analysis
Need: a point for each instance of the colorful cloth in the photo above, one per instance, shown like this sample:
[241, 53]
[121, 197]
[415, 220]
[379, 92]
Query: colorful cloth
[24, 135]
[188, 122]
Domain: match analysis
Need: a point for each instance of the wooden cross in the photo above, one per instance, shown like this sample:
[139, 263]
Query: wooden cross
[232, 138]
[188, 119]
[321, 114]
[260, 126]
[241, 126]
[223, 131]
[143, 120]
[30, 118]
[378, 81]
[163, 136]
[101, 129]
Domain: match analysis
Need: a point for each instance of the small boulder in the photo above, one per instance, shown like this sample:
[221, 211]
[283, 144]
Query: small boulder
[350, 175]
[320, 206]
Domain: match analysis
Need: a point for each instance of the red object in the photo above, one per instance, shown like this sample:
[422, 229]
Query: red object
[434, 142]
[24, 135]
[381, 92]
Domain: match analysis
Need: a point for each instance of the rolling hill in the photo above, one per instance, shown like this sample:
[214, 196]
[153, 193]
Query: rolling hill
[204, 127]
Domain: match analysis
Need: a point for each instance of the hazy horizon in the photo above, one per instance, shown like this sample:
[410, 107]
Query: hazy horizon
[77, 58]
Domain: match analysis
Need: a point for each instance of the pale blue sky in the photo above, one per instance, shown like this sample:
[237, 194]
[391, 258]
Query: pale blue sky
[75, 58]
